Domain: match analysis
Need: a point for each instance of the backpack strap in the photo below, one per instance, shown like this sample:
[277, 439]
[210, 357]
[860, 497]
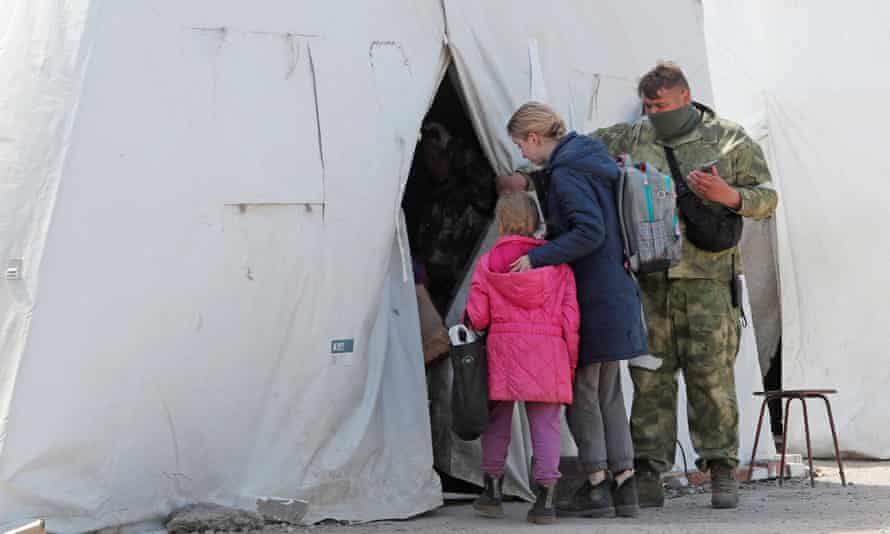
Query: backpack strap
[622, 222]
[623, 161]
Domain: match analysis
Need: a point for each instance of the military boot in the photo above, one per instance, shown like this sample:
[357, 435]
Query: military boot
[489, 503]
[543, 512]
[724, 487]
[590, 501]
[649, 489]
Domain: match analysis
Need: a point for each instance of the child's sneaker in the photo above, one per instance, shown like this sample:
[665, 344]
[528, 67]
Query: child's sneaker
[543, 512]
[489, 503]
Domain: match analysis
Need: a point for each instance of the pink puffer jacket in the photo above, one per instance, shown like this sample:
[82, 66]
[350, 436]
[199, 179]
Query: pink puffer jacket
[532, 320]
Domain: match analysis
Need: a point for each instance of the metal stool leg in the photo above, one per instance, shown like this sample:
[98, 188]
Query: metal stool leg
[757, 438]
[837, 449]
[806, 426]
[784, 441]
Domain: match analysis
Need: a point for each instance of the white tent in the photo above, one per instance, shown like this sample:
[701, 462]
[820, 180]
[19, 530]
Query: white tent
[208, 296]
[811, 77]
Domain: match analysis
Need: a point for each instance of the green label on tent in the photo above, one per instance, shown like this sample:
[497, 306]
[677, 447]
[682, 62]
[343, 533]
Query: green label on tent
[342, 346]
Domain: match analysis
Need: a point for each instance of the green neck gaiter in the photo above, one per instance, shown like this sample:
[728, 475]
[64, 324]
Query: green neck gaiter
[677, 122]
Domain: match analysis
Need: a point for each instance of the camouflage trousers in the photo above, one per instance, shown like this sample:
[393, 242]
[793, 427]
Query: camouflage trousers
[693, 329]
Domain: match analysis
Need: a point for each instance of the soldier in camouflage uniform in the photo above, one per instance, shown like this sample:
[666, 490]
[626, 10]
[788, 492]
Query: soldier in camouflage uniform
[693, 325]
[449, 205]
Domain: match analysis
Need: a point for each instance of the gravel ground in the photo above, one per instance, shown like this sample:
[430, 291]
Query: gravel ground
[862, 507]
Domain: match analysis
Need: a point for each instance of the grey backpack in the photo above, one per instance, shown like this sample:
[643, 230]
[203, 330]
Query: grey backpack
[650, 224]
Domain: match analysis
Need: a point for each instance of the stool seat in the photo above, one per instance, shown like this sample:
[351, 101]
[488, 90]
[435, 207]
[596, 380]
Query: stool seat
[795, 392]
[802, 395]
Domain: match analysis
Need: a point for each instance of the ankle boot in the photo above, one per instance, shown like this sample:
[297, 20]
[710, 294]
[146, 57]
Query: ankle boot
[626, 498]
[650, 490]
[724, 487]
[543, 512]
[590, 501]
[489, 503]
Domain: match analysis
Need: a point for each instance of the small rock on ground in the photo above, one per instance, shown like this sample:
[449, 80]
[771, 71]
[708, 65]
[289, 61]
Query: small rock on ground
[205, 517]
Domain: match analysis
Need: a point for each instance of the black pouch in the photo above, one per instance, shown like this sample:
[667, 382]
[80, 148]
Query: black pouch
[710, 228]
[469, 389]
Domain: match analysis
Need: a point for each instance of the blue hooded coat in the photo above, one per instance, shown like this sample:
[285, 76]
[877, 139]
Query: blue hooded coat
[583, 231]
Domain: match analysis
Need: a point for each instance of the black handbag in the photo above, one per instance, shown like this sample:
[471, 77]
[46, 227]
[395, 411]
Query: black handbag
[710, 228]
[469, 389]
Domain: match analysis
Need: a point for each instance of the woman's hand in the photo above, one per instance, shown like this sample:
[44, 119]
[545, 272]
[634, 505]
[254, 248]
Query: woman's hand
[521, 265]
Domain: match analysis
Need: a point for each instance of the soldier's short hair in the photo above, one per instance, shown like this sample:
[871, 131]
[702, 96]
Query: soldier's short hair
[517, 214]
[665, 75]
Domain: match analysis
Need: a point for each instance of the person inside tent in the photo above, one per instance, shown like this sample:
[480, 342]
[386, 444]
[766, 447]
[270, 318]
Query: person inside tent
[448, 208]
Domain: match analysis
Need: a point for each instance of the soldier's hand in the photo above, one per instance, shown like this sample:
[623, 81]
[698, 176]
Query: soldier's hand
[521, 265]
[511, 183]
[714, 188]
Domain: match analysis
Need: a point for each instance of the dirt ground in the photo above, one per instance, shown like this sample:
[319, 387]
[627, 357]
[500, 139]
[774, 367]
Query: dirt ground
[862, 507]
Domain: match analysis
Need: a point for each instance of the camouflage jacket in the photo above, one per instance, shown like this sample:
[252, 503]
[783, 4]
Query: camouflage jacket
[449, 230]
[453, 216]
[740, 162]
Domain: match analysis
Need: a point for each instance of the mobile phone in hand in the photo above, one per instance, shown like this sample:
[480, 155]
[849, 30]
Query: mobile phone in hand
[706, 167]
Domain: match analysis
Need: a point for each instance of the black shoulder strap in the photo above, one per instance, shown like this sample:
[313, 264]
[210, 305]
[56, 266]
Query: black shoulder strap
[682, 188]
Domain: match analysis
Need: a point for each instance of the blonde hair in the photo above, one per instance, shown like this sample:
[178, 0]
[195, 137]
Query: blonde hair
[535, 117]
[517, 214]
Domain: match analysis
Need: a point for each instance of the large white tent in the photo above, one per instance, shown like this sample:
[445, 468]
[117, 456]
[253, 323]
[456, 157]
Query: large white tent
[810, 76]
[208, 292]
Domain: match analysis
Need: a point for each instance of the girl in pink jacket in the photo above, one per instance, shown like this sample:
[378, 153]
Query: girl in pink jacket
[532, 320]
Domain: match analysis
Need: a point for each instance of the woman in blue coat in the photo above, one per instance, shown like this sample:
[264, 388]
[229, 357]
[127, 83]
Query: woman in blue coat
[583, 231]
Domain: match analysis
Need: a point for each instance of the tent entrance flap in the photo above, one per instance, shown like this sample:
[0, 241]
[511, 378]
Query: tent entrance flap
[450, 195]
[449, 205]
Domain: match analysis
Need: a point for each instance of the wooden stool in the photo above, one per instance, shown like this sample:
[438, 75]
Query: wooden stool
[802, 395]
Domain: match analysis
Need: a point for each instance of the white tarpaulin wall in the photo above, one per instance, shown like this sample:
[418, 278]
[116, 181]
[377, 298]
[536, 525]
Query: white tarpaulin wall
[199, 198]
[204, 194]
[815, 72]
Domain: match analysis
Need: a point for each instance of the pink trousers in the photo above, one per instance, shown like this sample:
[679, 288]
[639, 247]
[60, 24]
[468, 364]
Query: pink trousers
[543, 418]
